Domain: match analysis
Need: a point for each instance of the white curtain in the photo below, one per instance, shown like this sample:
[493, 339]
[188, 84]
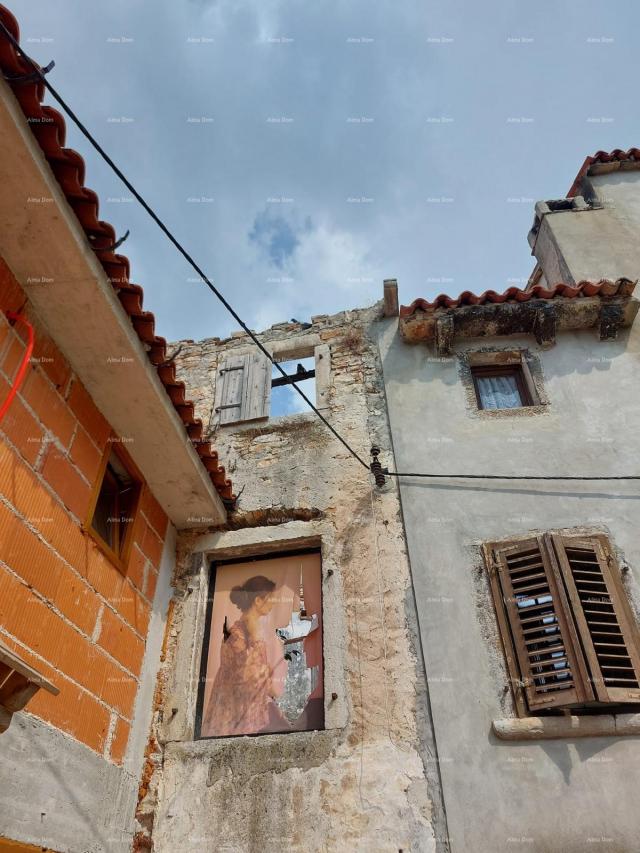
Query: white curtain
[498, 392]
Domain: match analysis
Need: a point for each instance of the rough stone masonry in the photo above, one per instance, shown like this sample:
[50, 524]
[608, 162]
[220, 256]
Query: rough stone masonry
[369, 781]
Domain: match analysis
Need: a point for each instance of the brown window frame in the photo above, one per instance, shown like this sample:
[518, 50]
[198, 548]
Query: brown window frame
[119, 558]
[489, 370]
[541, 569]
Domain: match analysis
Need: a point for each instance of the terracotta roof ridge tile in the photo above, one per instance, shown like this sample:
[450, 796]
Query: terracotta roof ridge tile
[49, 128]
[604, 288]
[617, 155]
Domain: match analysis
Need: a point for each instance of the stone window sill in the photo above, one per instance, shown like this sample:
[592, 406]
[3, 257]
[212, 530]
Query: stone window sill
[546, 728]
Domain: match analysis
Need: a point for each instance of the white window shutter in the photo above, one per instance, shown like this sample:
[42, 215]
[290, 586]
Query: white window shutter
[258, 388]
[243, 389]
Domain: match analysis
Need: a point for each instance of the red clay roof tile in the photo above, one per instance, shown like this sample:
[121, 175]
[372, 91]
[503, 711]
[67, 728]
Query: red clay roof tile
[617, 155]
[48, 127]
[605, 288]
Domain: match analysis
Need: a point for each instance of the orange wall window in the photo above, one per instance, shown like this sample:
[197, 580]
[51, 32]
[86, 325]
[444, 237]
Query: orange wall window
[114, 505]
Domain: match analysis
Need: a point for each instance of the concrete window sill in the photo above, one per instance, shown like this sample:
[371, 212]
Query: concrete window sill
[545, 728]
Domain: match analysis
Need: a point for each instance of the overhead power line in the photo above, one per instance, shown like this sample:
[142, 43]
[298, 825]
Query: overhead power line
[504, 476]
[185, 254]
[375, 467]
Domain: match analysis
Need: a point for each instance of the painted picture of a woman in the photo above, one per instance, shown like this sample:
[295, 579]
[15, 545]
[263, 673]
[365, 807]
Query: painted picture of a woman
[243, 692]
[262, 670]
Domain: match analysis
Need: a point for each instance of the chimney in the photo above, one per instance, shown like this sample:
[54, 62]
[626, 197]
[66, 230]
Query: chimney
[390, 297]
[556, 238]
[590, 236]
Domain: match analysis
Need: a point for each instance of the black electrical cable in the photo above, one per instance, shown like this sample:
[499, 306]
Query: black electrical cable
[503, 476]
[37, 70]
[67, 109]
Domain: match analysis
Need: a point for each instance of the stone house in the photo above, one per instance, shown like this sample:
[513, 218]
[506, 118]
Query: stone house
[363, 775]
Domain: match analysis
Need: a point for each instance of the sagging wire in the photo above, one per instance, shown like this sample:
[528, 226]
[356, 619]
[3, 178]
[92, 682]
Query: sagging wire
[380, 472]
[165, 230]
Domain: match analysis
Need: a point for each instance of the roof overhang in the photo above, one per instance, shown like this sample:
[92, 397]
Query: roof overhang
[541, 317]
[42, 240]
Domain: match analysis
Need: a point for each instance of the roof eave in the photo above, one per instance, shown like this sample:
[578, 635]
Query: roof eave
[540, 317]
[43, 240]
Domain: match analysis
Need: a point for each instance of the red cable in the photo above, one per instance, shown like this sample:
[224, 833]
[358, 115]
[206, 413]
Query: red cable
[24, 364]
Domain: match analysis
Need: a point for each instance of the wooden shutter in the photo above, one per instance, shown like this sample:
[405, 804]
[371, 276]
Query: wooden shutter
[243, 389]
[602, 615]
[258, 389]
[540, 641]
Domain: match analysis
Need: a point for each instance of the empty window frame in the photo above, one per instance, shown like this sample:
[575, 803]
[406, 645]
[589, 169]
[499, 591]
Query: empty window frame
[285, 400]
[568, 631]
[114, 505]
[501, 386]
[249, 387]
[262, 668]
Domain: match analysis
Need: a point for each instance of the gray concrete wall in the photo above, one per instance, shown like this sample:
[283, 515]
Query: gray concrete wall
[58, 793]
[369, 781]
[573, 795]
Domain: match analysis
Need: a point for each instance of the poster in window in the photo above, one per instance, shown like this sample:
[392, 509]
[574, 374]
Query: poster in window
[263, 668]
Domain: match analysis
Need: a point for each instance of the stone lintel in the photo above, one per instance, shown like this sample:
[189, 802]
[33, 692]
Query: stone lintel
[543, 728]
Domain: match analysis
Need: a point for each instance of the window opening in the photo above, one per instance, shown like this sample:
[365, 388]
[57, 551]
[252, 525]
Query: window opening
[262, 663]
[501, 387]
[116, 503]
[284, 399]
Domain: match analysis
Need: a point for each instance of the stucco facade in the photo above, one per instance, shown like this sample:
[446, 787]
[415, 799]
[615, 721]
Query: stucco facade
[540, 784]
[548, 795]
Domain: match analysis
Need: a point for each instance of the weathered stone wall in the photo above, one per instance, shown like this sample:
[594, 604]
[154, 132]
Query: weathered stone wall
[369, 782]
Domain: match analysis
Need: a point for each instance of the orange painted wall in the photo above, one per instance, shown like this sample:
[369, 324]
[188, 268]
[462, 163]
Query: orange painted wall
[64, 607]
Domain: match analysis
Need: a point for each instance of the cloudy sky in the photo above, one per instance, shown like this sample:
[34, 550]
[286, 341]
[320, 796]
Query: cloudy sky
[303, 152]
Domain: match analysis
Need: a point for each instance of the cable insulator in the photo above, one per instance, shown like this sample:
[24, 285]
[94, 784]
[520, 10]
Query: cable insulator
[376, 467]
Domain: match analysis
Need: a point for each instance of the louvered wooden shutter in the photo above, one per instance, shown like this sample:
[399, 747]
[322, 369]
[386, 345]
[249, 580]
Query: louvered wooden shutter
[243, 389]
[536, 631]
[602, 615]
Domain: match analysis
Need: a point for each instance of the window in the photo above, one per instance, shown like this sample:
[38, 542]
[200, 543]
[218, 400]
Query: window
[262, 669]
[501, 387]
[285, 400]
[569, 635]
[115, 504]
[249, 387]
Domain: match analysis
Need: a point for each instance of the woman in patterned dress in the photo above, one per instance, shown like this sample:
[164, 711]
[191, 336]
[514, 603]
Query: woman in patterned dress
[242, 698]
